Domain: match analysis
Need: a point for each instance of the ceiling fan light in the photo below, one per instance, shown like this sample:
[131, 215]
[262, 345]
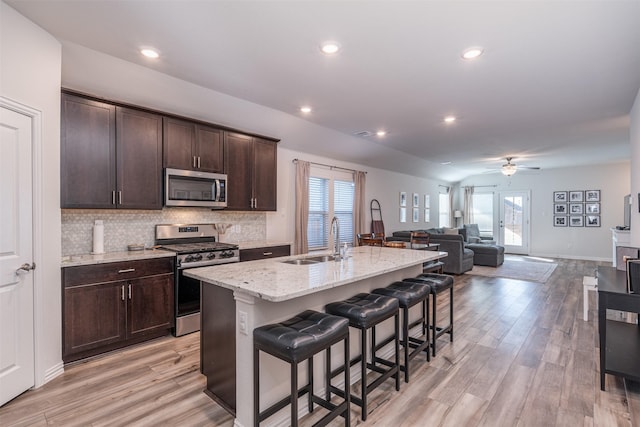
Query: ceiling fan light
[509, 169]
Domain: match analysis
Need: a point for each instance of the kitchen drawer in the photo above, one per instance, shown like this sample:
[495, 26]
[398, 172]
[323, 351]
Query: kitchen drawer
[263, 253]
[113, 271]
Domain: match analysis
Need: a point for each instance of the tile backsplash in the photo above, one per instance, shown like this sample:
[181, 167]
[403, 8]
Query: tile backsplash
[124, 227]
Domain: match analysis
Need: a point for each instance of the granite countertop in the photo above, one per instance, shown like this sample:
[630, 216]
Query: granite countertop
[261, 244]
[274, 280]
[89, 259]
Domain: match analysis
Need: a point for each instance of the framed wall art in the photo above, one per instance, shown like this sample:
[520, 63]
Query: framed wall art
[560, 209]
[416, 214]
[403, 198]
[416, 200]
[559, 197]
[560, 221]
[576, 221]
[576, 196]
[576, 208]
[592, 221]
[403, 214]
[592, 196]
[427, 215]
[592, 208]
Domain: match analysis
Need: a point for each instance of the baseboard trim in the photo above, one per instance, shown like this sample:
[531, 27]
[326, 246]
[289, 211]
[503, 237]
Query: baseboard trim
[576, 257]
[53, 372]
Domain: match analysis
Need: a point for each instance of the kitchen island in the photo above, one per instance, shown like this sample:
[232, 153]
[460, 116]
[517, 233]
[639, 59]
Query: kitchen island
[236, 298]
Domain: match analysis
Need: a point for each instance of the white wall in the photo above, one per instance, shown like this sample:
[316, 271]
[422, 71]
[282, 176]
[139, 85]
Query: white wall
[567, 242]
[635, 171]
[30, 62]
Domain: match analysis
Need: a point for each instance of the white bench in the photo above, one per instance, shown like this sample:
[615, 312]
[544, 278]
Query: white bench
[589, 283]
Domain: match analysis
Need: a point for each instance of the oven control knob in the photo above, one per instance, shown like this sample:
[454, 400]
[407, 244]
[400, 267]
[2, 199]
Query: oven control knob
[188, 258]
[227, 254]
[197, 257]
[211, 255]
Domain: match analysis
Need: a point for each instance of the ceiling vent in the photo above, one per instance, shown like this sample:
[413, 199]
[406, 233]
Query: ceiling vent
[363, 133]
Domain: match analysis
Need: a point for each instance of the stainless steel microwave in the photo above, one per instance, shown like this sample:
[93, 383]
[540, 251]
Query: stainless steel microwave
[193, 188]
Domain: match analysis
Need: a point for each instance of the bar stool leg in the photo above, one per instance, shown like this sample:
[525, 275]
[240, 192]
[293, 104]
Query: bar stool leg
[310, 383]
[294, 394]
[327, 375]
[397, 345]
[434, 332]
[363, 369]
[347, 381]
[451, 314]
[256, 387]
[405, 342]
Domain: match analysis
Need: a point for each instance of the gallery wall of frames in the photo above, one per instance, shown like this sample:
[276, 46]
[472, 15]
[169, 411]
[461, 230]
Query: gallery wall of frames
[576, 208]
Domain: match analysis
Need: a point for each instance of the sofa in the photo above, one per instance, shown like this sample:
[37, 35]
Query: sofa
[459, 258]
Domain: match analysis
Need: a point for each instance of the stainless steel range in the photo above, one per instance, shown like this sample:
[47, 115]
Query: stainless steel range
[195, 246]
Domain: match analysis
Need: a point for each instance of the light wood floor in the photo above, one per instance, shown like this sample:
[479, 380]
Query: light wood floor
[522, 356]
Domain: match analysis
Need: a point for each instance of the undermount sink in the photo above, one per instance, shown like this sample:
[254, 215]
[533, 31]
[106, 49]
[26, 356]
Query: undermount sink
[300, 262]
[321, 258]
[310, 260]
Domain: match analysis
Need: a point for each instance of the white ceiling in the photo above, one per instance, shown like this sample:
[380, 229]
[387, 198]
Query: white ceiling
[553, 89]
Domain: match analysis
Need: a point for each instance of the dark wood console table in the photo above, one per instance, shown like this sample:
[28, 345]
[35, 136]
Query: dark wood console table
[619, 341]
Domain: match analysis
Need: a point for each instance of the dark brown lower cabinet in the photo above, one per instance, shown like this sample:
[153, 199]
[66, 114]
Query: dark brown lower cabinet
[109, 306]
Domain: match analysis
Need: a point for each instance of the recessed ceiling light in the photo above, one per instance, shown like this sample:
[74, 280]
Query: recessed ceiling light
[149, 53]
[305, 109]
[449, 119]
[381, 133]
[330, 48]
[472, 53]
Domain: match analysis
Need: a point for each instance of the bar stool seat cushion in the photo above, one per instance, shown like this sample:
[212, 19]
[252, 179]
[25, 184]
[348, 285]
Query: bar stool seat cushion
[302, 336]
[364, 310]
[438, 282]
[407, 293]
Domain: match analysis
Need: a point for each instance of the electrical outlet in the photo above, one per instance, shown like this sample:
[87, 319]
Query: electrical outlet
[242, 322]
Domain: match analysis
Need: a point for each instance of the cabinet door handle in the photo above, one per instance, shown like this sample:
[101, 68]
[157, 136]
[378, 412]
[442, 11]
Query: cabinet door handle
[119, 197]
[129, 290]
[267, 253]
[255, 203]
[113, 197]
[198, 162]
[122, 292]
[194, 161]
[127, 270]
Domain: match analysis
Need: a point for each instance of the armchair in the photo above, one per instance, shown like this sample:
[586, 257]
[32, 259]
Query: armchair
[472, 235]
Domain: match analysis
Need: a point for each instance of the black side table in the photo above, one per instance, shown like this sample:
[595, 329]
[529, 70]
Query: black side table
[619, 341]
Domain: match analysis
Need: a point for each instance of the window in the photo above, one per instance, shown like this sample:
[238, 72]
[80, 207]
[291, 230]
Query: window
[443, 208]
[483, 212]
[330, 194]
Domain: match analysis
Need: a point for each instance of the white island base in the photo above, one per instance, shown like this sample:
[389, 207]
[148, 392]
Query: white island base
[236, 298]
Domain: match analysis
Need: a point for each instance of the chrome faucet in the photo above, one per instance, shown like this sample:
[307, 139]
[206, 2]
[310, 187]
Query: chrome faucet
[336, 238]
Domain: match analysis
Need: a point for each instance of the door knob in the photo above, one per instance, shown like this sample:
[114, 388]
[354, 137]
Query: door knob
[26, 267]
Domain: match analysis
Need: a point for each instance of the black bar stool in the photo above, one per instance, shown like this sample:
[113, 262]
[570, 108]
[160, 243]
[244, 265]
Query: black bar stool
[409, 294]
[439, 283]
[364, 312]
[295, 340]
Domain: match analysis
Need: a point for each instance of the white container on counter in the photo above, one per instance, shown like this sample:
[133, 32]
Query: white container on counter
[98, 237]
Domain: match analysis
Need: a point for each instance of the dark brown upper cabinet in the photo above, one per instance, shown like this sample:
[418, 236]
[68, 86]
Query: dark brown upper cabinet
[111, 157]
[192, 146]
[251, 167]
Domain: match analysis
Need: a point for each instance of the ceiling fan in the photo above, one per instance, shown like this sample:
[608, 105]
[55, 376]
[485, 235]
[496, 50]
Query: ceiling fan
[509, 168]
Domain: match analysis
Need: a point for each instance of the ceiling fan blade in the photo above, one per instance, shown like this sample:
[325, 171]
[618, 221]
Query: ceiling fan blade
[537, 168]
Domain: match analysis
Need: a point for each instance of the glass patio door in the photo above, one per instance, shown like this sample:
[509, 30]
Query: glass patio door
[514, 222]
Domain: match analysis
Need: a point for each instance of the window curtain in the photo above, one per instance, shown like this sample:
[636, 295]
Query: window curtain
[359, 179]
[468, 205]
[452, 220]
[302, 207]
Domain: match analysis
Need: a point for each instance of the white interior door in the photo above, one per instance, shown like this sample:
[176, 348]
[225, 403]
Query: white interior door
[514, 222]
[16, 251]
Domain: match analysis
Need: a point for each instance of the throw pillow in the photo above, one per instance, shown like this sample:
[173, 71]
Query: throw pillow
[450, 230]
